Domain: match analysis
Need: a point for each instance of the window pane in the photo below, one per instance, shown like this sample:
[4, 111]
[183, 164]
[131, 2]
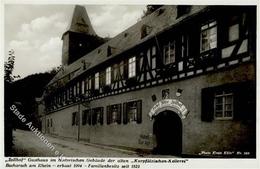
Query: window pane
[228, 107]
[218, 113]
[219, 100]
[219, 107]
[228, 114]
[229, 99]
[213, 31]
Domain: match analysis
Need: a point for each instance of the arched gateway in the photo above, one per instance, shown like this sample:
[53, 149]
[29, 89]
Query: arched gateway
[167, 127]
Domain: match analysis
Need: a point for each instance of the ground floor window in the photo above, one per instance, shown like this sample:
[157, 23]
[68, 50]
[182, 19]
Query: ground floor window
[223, 105]
[114, 114]
[75, 118]
[86, 117]
[132, 112]
[229, 101]
[97, 116]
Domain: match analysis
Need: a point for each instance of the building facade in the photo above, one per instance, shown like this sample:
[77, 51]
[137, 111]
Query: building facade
[182, 80]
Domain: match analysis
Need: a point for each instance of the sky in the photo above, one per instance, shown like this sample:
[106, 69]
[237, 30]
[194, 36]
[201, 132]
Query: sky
[34, 31]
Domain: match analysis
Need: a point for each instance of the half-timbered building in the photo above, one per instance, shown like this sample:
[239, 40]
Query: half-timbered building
[182, 80]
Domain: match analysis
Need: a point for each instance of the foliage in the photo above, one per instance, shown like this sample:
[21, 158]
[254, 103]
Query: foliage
[9, 67]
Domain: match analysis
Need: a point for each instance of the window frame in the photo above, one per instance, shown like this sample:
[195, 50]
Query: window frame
[108, 76]
[206, 27]
[167, 49]
[97, 81]
[224, 95]
[132, 67]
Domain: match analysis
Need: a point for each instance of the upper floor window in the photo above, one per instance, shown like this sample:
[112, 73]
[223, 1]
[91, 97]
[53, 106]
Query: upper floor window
[89, 83]
[83, 87]
[132, 67]
[169, 53]
[223, 105]
[97, 81]
[108, 76]
[208, 36]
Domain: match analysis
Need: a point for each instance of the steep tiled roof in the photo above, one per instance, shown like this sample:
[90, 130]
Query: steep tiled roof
[158, 21]
[80, 21]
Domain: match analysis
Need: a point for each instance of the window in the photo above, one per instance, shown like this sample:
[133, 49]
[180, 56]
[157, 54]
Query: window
[51, 122]
[108, 76]
[121, 65]
[132, 112]
[97, 81]
[74, 90]
[145, 30]
[75, 118]
[132, 67]
[78, 88]
[86, 117]
[97, 116]
[83, 87]
[208, 36]
[169, 53]
[114, 114]
[223, 105]
[89, 83]
[229, 101]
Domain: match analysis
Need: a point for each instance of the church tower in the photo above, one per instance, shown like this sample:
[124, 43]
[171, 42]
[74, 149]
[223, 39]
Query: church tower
[80, 38]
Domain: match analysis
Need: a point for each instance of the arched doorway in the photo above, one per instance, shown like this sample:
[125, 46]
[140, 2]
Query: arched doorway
[167, 129]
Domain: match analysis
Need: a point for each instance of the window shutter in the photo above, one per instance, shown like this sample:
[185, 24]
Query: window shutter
[244, 101]
[119, 114]
[139, 111]
[125, 113]
[101, 115]
[207, 104]
[108, 114]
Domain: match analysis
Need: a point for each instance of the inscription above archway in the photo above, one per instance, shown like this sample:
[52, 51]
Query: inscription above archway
[169, 104]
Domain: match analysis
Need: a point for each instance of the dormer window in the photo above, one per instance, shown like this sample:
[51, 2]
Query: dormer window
[110, 50]
[145, 30]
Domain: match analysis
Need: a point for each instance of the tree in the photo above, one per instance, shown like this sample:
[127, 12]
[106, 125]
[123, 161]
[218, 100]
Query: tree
[9, 67]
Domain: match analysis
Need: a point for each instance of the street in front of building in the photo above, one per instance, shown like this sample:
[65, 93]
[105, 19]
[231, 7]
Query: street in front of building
[26, 143]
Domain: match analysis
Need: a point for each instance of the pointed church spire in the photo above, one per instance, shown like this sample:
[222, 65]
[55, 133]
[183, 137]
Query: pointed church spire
[80, 21]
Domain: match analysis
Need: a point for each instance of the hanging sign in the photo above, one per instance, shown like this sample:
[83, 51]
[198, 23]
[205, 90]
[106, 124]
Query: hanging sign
[169, 104]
